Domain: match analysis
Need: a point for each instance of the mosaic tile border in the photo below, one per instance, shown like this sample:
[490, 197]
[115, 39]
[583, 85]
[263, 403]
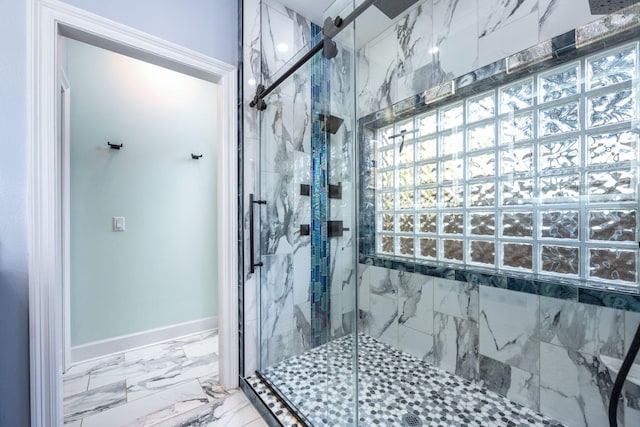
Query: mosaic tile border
[545, 288]
[565, 47]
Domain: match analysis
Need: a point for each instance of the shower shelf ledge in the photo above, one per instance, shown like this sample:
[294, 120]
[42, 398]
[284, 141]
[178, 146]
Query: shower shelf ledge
[614, 365]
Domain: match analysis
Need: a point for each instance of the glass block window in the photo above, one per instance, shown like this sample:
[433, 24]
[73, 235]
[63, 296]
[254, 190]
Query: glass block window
[538, 176]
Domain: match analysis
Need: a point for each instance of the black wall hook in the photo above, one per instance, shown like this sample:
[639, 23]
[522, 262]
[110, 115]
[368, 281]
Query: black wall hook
[114, 146]
[196, 157]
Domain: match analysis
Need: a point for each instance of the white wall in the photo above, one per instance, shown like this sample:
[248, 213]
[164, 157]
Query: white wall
[14, 321]
[161, 270]
[217, 22]
[206, 26]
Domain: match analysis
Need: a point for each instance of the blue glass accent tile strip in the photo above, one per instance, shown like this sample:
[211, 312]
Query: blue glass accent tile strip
[320, 292]
[609, 299]
[601, 297]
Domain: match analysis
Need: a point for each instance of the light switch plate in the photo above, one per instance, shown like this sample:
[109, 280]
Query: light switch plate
[118, 223]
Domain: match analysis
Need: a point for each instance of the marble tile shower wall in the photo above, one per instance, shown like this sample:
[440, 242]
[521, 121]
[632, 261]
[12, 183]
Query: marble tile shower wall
[284, 329]
[442, 39]
[283, 155]
[381, 80]
[544, 353]
[342, 169]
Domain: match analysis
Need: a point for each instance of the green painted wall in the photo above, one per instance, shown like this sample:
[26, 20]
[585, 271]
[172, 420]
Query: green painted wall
[162, 270]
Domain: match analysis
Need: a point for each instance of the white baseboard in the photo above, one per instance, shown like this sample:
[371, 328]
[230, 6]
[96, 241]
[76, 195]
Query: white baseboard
[139, 339]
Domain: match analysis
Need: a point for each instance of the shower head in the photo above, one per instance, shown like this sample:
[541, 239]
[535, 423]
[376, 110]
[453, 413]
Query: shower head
[393, 8]
[603, 7]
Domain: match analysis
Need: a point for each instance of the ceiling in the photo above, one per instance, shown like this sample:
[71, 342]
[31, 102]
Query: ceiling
[311, 9]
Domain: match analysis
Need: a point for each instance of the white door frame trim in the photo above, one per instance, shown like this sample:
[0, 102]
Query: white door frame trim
[46, 19]
[65, 227]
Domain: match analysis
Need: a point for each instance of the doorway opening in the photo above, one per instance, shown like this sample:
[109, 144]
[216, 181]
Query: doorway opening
[141, 153]
[139, 183]
[48, 21]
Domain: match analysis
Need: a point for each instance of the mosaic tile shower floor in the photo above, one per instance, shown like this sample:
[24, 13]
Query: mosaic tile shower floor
[392, 383]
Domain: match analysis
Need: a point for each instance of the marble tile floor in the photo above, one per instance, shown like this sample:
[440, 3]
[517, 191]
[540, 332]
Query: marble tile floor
[391, 383]
[172, 383]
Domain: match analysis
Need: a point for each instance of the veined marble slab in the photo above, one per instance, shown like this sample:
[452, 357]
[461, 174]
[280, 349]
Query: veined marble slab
[212, 388]
[518, 385]
[384, 319]
[495, 14]
[251, 346]
[416, 311]
[165, 368]
[281, 25]
[558, 16]
[586, 328]
[75, 385]
[455, 30]
[574, 387]
[363, 287]
[94, 401]
[232, 410]
[251, 22]
[631, 323]
[459, 299]
[84, 368]
[125, 370]
[182, 371]
[201, 348]
[455, 345]
[509, 327]
[614, 366]
[277, 318]
[520, 34]
[415, 343]
[383, 281]
[152, 409]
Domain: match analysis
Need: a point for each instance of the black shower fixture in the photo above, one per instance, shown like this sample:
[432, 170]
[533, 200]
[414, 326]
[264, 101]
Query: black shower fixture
[393, 8]
[330, 123]
[604, 7]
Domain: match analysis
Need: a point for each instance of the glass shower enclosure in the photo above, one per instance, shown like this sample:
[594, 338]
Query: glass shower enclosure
[424, 207]
[307, 247]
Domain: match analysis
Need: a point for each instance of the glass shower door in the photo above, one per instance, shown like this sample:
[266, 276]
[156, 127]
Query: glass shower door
[285, 252]
[307, 317]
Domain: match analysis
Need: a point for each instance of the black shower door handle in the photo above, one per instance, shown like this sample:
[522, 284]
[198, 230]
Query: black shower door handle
[252, 262]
